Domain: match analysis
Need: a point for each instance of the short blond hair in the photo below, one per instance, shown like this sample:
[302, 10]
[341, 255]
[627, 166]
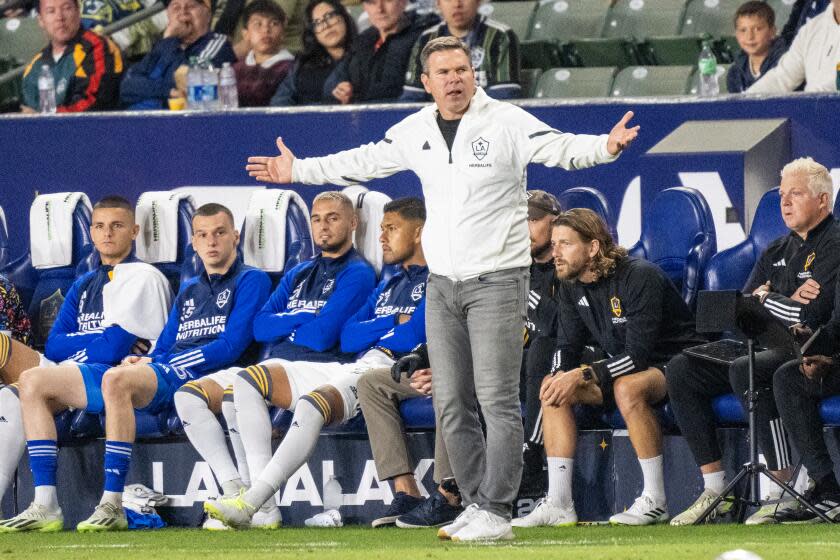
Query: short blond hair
[818, 177]
[336, 196]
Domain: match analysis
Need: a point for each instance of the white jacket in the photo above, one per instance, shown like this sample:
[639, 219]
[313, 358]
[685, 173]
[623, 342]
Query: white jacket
[475, 197]
[812, 58]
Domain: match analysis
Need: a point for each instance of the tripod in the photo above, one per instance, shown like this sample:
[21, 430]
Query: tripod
[753, 470]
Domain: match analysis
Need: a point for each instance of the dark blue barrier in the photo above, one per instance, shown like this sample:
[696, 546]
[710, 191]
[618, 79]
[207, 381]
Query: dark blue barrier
[130, 153]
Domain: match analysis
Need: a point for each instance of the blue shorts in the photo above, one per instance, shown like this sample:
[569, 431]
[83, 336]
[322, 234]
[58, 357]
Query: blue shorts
[169, 380]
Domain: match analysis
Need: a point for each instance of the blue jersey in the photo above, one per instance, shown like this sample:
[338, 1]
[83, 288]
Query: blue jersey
[77, 333]
[376, 324]
[209, 325]
[304, 317]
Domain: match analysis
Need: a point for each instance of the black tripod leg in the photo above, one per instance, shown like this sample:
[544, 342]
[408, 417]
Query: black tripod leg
[726, 491]
[797, 495]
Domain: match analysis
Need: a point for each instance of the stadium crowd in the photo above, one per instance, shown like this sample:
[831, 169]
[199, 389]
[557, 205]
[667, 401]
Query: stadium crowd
[290, 52]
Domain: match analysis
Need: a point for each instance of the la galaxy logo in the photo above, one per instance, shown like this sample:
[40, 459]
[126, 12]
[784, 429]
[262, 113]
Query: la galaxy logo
[328, 286]
[187, 310]
[809, 261]
[480, 147]
[417, 292]
[222, 298]
[615, 305]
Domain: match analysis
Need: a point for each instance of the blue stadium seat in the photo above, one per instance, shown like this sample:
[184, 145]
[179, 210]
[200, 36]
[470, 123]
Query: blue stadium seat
[276, 235]
[830, 411]
[591, 198]
[730, 269]
[59, 241]
[728, 410]
[418, 413]
[148, 426]
[682, 252]
[162, 217]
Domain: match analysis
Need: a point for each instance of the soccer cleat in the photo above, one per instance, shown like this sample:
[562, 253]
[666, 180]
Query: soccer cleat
[644, 511]
[828, 503]
[267, 519]
[447, 531]
[485, 526]
[211, 524]
[329, 518]
[106, 517]
[234, 512]
[432, 512]
[548, 514]
[693, 513]
[770, 513]
[400, 505]
[34, 518]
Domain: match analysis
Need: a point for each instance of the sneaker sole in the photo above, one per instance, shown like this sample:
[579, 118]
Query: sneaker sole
[217, 514]
[509, 537]
[100, 529]
[621, 524]
[564, 524]
[404, 525]
[384, 521]
[52, 527]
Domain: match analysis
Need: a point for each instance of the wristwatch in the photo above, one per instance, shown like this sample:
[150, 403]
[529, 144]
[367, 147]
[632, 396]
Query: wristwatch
[587, 371]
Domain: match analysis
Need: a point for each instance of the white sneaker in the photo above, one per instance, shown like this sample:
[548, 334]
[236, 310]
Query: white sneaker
[693, 513]
[211, 524]
[485, 526]
[644, 511]
[548, 514]
[36, 517]
[329, 518]
[269, 518]
[770, 514]
[447, 531]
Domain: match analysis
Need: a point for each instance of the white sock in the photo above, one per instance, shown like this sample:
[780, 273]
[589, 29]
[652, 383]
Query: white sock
[12, 439]
[47, 496]
[229, 412]
[254, 426]
[293, 452]
[715, 481]
[775, 492]
[560, 472]
[206, 435]
[114, 498]
[654, 480]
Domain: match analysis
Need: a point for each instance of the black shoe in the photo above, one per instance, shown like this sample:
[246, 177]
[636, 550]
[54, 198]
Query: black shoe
[434, 512]
[828, 503]
[402, 504]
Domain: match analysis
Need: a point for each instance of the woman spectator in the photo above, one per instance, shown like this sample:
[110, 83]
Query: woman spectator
[329, 30]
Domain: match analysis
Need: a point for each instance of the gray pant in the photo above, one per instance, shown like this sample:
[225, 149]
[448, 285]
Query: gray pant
[380, 397]
[475, 332]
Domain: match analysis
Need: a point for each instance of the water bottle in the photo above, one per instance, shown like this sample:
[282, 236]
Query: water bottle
[210, 84]
[228, 96]
[707, 66]
[195, 89]
[332, 494]
[46, 90]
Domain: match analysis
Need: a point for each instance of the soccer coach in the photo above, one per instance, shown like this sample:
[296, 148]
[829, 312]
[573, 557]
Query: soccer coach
[470, 153]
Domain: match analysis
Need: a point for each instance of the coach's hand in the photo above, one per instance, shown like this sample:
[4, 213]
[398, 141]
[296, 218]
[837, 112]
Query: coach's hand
[421, 381]
[816, 367]
[620, 136]
[808, 291]
[560, 388]
[276, 169]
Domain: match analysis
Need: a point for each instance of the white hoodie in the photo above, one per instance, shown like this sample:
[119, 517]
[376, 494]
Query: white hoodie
[475, 197]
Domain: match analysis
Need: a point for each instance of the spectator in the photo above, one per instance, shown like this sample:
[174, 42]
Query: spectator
[379, 56]
[761, 49]
[162, 73]
[267, 63]
[13, 319]
[493, 46]
[85, 66]
[134, 41]
[812, 57]
[327, 37]
[227, 20]
[802, 12]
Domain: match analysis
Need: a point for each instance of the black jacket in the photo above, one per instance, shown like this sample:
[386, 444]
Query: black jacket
[542, 301]
[636, 315]
[378, 75]
[788, 262]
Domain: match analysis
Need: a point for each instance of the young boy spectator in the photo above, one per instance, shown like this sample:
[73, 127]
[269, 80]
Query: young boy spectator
[86, 67]
[761, 48]
[163, 72]
[267, 63]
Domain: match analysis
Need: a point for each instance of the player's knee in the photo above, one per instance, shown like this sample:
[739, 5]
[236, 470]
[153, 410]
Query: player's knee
[327, 402]
[32, 383]
[190, 395]
[367, 384]
[115, 384]
[629, 393]
[255, 377]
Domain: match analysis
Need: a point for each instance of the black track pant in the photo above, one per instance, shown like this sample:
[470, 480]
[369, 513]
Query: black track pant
[537, 366]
